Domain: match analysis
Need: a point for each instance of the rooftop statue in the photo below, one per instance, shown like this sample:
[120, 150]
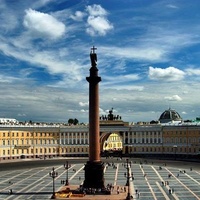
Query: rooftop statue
[93, 57]
[110, 115]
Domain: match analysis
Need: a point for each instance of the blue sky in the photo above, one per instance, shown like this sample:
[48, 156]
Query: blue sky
[148, 58]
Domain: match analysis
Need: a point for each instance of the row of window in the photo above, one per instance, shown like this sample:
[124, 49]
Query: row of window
[164, 150]
[75, 141]
[27, 134]
[44, 141]
[182, 132]
[184, 140]
[143, 133]
[43, 151]
[142, 140]
[31, 134]
[28, 142]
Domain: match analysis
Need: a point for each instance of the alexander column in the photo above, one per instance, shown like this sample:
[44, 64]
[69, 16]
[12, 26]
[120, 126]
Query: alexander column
[94, 175]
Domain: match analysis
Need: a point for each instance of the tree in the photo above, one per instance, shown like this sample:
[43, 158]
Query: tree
[73, 121]
[70, 121]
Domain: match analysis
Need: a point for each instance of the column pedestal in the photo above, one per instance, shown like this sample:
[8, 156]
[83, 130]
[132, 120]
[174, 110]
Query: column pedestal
[94, 175]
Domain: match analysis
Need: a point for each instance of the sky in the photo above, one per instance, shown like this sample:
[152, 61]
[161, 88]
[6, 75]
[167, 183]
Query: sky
[148, 58]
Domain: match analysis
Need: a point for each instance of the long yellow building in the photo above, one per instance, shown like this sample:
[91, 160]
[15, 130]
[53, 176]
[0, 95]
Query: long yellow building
[142, 139]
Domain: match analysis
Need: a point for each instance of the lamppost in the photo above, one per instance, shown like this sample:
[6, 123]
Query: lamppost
[53, 174]
[128, 179]
[175, 148]
[66, 166]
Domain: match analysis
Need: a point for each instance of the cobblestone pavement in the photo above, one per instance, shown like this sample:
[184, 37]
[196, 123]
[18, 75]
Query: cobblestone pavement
[150, 180]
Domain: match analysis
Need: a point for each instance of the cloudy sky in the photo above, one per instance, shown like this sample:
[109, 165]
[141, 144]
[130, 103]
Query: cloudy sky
[148, 58]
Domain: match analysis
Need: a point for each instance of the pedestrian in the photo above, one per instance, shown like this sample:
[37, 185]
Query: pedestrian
[118, 190]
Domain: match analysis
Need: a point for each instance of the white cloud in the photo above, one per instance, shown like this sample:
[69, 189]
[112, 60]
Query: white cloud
[8, 79]
[123, 87]
[97, 22]
[167, 74]
[137, 53]
[78, 16]
[96, 10]
[174, 98]
[98, 25]
[82, 104]
[191, 72]
[184, 113]
[43, 25]
[171, 6]
[122, 78]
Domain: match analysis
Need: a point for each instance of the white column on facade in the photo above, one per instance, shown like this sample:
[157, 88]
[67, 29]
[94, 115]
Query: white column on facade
[145, 137]
[153, 133]
[84, 138]
[60, 138]
[67, 138]
[161, 137]
[72, 138]
[64, 138]
[124, 137]
[149, 135]
[76, 137]
[157, 136]
[132, 138]
[128, 137]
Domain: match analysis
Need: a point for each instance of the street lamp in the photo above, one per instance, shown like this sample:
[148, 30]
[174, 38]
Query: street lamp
[128, 181]
[175, 148]
[127, 173]
[53, 174]
[66, 166]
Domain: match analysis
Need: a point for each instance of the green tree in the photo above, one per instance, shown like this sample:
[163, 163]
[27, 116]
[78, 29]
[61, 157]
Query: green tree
[70, 121]
[75, 121]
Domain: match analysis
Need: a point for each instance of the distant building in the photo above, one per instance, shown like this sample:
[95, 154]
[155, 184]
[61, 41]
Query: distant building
[170, 116]
[52, 140]
[8, 121]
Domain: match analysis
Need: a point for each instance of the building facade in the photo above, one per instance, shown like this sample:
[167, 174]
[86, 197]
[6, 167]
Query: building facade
[171, 140]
